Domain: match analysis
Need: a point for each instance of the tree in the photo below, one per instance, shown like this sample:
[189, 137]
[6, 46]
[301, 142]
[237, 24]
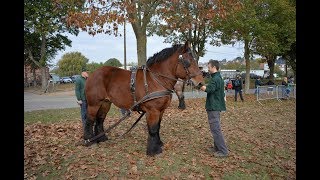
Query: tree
[290, 57]
[234, 65]
[100, 16]
[44, 22]
[239, 23]
[72, 63]
[279, 32]
[266, 27]
[187, 20]
[91, 67]
[192, 18]
[113, 62]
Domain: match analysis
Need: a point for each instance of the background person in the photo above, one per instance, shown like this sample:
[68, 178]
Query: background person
[238, 88]
[257, 83]
[285, 88]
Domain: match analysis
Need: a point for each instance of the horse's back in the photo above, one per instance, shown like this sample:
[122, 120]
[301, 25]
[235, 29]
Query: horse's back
[108, 82]
[106, 73]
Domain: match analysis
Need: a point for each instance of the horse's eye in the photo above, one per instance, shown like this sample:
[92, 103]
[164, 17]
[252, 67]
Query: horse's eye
[186, 63]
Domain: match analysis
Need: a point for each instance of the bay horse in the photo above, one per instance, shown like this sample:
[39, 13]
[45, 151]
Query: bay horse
[109, 85]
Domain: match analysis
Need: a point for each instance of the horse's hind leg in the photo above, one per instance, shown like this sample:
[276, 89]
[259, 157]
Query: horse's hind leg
[101, 115]
[160, 118]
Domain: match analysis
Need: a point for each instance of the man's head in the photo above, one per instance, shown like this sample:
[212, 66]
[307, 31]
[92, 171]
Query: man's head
[84, 73]
[213, 66]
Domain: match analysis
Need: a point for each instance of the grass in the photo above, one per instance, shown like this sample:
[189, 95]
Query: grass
[261, 140]
[60, 115]
[55, 88]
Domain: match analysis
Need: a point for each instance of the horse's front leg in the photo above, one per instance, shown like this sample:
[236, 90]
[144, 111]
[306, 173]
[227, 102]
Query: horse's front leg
[153, 122]
[88, 130]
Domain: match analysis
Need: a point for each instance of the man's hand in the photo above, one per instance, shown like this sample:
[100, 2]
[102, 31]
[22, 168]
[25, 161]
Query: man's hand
[79, 102]
[203, 88]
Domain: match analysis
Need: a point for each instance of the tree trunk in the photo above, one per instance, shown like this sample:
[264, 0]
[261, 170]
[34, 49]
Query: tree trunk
[271, 60]
[141, 38]
[34, 77]
[44, 78]
[246, 57]
[286, 67]
[26, 75]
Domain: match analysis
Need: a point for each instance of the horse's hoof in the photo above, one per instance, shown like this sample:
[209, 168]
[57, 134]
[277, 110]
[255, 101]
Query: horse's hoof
[153, 153]
[85, 143]
[182, 108]
[161, 143]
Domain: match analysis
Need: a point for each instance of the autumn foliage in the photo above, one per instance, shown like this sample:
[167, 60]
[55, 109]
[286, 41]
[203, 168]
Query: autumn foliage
[261, 140]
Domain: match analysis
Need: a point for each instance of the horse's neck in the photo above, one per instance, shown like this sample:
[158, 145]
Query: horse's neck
[167, 70]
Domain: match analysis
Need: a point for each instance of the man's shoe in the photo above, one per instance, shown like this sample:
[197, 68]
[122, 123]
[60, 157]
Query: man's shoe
[219, 154]
[212, 149]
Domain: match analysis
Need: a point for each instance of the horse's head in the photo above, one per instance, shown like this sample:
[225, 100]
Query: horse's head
[187, 67]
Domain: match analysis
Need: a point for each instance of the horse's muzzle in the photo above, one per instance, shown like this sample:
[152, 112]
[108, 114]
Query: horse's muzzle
[199, 85]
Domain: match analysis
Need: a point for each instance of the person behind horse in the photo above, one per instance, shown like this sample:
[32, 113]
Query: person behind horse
[238, 88]
[285, 89]
[80, 84]
[229, 85]
[257, 83]
[215, 103]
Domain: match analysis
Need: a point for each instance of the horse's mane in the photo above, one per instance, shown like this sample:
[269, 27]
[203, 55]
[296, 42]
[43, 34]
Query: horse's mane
[162, 55]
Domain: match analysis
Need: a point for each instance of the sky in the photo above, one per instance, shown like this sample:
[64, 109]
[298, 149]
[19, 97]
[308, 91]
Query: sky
[101, 47]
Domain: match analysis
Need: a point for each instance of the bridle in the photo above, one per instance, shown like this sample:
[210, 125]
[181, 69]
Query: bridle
[185, 63]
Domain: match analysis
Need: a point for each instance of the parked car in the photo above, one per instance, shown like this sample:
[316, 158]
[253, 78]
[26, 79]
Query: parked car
[54, 78]
[74, 77]
[65, 80]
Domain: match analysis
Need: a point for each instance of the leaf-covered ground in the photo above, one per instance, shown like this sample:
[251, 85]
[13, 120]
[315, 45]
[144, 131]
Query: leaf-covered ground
[261, 140]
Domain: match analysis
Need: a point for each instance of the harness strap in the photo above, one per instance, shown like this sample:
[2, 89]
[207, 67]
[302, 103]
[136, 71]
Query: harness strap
[133, 83]
[134, 124]
[145, 78]
[153, 95]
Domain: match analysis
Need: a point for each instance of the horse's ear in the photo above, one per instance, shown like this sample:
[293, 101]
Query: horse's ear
[186, 46]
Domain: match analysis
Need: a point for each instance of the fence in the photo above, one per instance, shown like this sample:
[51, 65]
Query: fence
[275, 92]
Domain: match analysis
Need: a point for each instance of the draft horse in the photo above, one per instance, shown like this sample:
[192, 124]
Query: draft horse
[153, 87]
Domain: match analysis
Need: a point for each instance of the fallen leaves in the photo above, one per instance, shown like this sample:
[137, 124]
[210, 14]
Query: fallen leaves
[260, 139]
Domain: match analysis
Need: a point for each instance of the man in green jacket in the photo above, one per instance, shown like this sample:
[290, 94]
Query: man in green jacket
[80, 85]
[215, 103]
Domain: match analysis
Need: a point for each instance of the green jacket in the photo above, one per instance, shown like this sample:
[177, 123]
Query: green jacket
[80, 87]
[215, 93]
